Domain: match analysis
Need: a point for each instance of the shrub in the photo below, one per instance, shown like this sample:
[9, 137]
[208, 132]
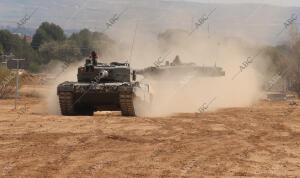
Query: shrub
[7, 82]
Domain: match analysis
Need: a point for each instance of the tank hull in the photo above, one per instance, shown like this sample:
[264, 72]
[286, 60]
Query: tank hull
[86, 98]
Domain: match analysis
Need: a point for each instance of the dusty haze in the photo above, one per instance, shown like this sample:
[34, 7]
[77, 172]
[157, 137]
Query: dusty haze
[203, 48]
[191, 92]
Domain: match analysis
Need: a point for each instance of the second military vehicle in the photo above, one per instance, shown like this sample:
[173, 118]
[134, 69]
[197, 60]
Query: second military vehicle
[177, 68]
[103, 87]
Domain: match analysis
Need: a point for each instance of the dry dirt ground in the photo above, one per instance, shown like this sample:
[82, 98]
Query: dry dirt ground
[258, 141]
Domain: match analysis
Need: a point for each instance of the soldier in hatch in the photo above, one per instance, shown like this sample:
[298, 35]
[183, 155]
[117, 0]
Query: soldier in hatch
[94, 57]
[176, 61]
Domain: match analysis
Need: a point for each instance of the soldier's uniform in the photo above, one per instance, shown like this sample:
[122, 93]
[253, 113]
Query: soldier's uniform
[94, 57]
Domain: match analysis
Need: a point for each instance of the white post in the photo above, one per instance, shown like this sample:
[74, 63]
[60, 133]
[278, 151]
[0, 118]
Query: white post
[17, 81]
[17, 84]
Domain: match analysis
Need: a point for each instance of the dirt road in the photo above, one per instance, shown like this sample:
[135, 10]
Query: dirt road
[259, 141]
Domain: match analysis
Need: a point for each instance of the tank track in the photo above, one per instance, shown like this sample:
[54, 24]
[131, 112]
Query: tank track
[126, 103]
[66, 103]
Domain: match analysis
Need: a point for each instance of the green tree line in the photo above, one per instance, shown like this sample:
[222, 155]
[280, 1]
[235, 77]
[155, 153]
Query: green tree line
[50, 43]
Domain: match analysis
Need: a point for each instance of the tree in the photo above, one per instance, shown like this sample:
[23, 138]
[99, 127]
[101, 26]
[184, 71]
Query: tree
[46, 33]
[84, 41]
[63, 51]
[88, 41]
[49, 43]
[1, 49]
[10, 43]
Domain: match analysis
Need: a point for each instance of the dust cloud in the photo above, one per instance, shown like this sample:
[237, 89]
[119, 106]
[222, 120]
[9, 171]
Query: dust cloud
[189, 92]
[62, 74]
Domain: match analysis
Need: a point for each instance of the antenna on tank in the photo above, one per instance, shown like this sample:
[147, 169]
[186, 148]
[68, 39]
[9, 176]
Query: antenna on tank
[133, 42]
[192, 24]
[208, 30]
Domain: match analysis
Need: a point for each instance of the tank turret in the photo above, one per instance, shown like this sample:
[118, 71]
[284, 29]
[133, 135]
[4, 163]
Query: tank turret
[177, 68]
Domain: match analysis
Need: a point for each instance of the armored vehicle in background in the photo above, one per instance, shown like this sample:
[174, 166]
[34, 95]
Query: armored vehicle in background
[293, 82]
[102, 87]
[177, 68]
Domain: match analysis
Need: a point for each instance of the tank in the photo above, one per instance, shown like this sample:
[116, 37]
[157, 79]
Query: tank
[177, 68]
[103, 87]
[293, 82]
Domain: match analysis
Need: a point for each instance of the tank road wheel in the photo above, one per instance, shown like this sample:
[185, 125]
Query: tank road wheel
[66, 103]
[126, 103]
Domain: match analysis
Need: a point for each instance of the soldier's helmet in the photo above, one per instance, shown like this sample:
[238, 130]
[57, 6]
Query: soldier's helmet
[176, 61]
[93, 54]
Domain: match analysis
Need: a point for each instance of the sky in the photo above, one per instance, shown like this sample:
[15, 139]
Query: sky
[272, 2]
[247, 21]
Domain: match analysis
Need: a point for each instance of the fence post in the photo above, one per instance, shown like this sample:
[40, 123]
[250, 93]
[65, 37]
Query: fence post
[17, 81]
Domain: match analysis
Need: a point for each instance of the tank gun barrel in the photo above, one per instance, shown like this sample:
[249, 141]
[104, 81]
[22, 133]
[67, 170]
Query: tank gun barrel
[103, 74]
